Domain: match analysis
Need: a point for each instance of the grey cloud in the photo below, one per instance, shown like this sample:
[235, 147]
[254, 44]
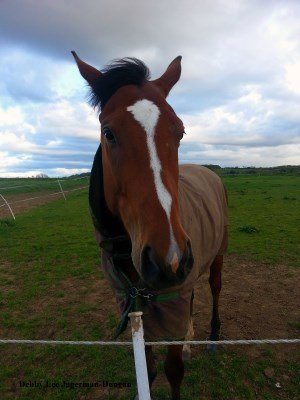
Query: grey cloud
[101, 30]
[227, 156]
[23, 80]
[227, 46]
[218, 41]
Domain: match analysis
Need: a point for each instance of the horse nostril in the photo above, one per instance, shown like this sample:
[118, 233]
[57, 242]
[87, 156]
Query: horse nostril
[158, 275]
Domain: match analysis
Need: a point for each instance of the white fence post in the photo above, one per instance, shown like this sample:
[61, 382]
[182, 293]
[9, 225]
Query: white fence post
[139, 355]
[61, 189]
[8, 207]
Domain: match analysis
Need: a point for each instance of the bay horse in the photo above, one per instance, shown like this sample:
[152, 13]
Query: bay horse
[160, 225]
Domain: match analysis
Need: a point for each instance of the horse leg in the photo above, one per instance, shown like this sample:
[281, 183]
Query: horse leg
[186, 352]
[215, 282]
[151, 366]
[174, 370]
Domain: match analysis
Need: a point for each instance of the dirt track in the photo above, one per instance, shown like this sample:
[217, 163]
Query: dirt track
[24, 202]
[257, 301]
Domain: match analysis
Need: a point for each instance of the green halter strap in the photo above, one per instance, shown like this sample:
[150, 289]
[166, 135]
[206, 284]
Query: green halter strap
[119, 249]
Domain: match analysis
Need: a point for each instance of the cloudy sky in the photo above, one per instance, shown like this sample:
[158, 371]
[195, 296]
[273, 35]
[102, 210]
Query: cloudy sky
[239, 93]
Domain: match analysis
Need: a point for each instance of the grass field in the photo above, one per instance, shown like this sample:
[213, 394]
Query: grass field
[51, 288]
[265, 217]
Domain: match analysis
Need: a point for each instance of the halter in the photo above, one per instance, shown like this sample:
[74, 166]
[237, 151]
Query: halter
[118, 249]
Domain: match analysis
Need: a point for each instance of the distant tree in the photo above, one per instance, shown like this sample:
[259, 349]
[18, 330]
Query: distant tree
[212, 166]
[41, 175]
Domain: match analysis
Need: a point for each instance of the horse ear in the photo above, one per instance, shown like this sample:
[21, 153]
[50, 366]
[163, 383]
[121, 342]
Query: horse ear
[170, 77]
[89, 73]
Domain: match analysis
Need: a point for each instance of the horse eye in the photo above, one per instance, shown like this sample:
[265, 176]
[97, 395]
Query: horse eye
[109, 135]
[180, 136]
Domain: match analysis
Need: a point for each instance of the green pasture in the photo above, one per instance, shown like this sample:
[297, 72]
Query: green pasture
[49, 269]
[265, 217]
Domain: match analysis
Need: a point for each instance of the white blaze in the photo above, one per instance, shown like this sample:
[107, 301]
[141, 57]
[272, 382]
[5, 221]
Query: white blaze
[147, 114]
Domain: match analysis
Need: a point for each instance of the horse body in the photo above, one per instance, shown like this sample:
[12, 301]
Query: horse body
[203, 211]
[160, 225]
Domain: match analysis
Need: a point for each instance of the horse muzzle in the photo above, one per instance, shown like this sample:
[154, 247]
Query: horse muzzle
[158, 275]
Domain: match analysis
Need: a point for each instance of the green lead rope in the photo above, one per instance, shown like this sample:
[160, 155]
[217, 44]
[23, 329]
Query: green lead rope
[130, 302]
[122, 325]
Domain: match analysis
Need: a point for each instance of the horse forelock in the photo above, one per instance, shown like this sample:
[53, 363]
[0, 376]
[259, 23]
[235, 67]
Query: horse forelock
[121, 72]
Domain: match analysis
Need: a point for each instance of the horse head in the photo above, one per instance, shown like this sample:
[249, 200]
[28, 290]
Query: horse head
[140, 137]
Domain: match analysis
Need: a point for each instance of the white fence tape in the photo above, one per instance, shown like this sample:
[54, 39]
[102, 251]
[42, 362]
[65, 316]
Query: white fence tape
[138, 344]
[46, 181]
[11, 211]
[47, 195]
[61, 189]
[158, 343]
[63, 192]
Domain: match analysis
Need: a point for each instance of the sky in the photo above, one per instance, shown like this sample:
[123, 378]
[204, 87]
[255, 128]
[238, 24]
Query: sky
[238, 96]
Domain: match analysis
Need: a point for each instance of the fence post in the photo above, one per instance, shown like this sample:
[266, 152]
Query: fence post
[137, 332]
[8, 207]
[61, 189]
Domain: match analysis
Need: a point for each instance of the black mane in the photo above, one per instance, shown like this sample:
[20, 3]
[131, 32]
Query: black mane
[121, 72]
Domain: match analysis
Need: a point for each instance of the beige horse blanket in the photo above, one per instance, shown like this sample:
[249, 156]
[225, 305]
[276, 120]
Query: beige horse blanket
[203, 211]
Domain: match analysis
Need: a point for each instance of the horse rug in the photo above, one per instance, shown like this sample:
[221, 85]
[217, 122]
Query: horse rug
[203, 212]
